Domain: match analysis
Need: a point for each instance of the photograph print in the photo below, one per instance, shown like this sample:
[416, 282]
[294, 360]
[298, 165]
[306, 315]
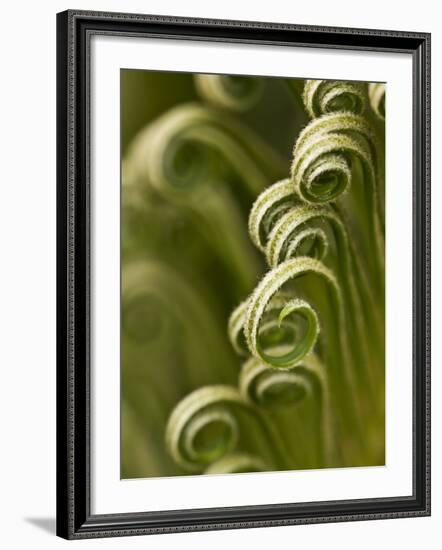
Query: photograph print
[252, 274]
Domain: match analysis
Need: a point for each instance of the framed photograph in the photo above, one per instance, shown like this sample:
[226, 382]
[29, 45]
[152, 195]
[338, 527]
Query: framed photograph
[243, 274]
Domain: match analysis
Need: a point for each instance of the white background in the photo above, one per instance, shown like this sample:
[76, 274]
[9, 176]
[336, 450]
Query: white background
[27, 295]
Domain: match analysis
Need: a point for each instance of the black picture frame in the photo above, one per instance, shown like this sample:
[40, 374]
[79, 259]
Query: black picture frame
[74, 518]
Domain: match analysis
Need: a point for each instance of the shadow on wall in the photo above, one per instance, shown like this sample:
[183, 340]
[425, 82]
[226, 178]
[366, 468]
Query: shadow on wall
[46, 524]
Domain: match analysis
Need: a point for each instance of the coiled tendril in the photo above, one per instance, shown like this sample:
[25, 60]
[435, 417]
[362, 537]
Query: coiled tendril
[234, 92]
[330, 96]
[192, 146]
[267, 386]
[278, 329]
[323, 155]
[301, 232]
[305, 316]
[204, 427]
[201, 428]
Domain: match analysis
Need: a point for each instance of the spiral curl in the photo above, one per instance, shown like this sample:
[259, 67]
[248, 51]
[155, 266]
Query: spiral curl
[322, 156]
[277, 330]
[202, 428]
[267, 386]
[192, 146]
[233, 92]
[295, 235]
[330, 96]
[273, 282]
